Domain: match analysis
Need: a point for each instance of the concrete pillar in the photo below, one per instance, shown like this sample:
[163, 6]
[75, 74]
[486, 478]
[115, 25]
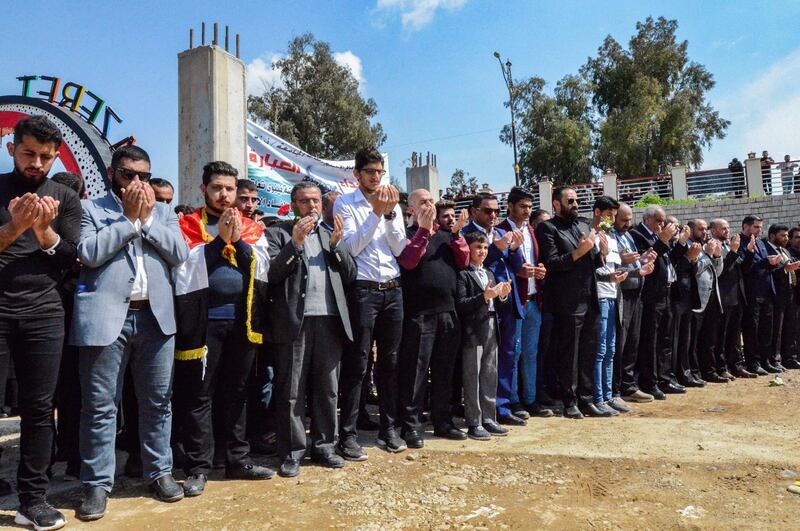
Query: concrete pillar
[426, 177]
[752, 171]
[546, 196]
[610, 183]
[679, 188]
[212, 116]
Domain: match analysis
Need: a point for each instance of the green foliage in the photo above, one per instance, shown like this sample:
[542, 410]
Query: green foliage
[462, 183]
[317, 107]
[653, 199]
[638, 110]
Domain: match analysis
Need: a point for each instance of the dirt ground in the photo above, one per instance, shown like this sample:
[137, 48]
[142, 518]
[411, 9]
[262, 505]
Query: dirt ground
[716, 458]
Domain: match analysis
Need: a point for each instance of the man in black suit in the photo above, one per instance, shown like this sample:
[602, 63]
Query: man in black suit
[567, 249]
[789, 339]
[785, 279]
[728, 352]
[308, 326]
[655, 338]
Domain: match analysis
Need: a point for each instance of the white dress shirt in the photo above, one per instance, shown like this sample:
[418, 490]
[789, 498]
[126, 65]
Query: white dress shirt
[373, 241]
[139, 290]
[483, 278]
[527, 251]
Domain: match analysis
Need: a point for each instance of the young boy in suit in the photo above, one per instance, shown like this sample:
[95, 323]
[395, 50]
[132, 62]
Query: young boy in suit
[478, 299]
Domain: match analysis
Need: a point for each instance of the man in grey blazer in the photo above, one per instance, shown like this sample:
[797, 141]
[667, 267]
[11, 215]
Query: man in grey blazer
[308, 327]
[124, 314]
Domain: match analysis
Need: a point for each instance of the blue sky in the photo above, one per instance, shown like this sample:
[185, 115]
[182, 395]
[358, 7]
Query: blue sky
[427, 63]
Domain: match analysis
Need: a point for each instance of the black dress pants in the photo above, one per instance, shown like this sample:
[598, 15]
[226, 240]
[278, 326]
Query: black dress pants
[781, 313]
[576, 336]
[35, 346]
[627, 347]
[430, 340]
[375, 315]
[547, 389]
[710, 352]
[729, 338]
[223, 380]
[655, 343]
[757, 330]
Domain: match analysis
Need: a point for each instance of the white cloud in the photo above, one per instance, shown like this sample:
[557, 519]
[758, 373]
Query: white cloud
[416, 14]
[764, 114]
[262, 73]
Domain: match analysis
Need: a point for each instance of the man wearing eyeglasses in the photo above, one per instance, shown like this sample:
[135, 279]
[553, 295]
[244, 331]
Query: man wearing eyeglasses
[374, 234]
[124, 315]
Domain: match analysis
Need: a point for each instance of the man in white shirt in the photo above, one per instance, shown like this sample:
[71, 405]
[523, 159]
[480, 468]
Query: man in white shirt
[375, 236]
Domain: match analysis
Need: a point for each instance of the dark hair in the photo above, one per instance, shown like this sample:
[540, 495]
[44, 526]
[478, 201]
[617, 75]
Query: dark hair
[218, 167]
[476, 236]
[302, 185]
[40, 128]
[444, 204]
[750, 219]
[559, 191]
[794, 231]
[70, 180]
[365, 156]
[160, 183]
[183, 209]
[775, 228]
[538, 212]
[129, 152]
[605, 202]
[481, 197]
[326, 198]
[258, 212]
[246, 184]
[517, 194]
[268, 221]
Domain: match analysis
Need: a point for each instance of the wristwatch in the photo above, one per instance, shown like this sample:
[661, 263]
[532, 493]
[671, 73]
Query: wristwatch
[390, 216]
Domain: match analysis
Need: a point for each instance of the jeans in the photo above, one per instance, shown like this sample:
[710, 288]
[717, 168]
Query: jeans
[34, 345]
[151, 355]
[606, 347]
[524, 389]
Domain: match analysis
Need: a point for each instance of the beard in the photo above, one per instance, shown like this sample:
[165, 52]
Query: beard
[27, 179]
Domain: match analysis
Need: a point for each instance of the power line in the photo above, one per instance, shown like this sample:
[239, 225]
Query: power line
[494, 129]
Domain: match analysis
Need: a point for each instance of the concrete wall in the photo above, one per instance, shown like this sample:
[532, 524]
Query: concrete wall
[774, 209]
[212, 110]
[426, 177]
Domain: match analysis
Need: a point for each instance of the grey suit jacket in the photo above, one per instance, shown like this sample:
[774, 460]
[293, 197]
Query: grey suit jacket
[109, 269]
[288, 279]
[706, 271]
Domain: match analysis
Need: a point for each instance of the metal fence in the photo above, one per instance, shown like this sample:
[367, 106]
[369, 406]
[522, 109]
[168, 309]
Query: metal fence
[634, 189]
[719, 183]
[502, 202]
[781, 178]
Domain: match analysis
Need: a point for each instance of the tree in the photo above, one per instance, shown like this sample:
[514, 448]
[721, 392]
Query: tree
[317, 105]
[463, 183]
[553, 132]
[651, 102]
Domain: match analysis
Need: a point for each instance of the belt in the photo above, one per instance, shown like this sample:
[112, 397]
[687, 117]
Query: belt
[380, 286]
[138, 305]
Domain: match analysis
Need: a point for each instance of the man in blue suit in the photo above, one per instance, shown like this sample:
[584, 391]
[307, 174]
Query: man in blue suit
[505, 260]
[124, 314]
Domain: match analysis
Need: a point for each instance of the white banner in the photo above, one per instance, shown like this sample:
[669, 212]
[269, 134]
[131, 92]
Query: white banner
[276, 166]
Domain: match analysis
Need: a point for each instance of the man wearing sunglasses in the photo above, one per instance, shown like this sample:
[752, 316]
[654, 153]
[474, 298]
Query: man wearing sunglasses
[505, 260]
[124, 315]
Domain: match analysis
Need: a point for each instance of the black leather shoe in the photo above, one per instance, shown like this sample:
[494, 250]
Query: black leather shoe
[741, 372]
[715, 378]
[778, 366]
[657, 393]
[93, 504]
[328, 460]
[289, 468]
[728, 376]
[691, 382]
[414, 439]
[194, 485]
[591, 410]
[448, 431]
[518, 410]
[248, 471]
[494, 428]
[758, 370]
[572, 412]
[791, 364]
[770, 368]
[350, 449]
[511, 420]
[673, 389]
[537, 410]
[167, 489]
